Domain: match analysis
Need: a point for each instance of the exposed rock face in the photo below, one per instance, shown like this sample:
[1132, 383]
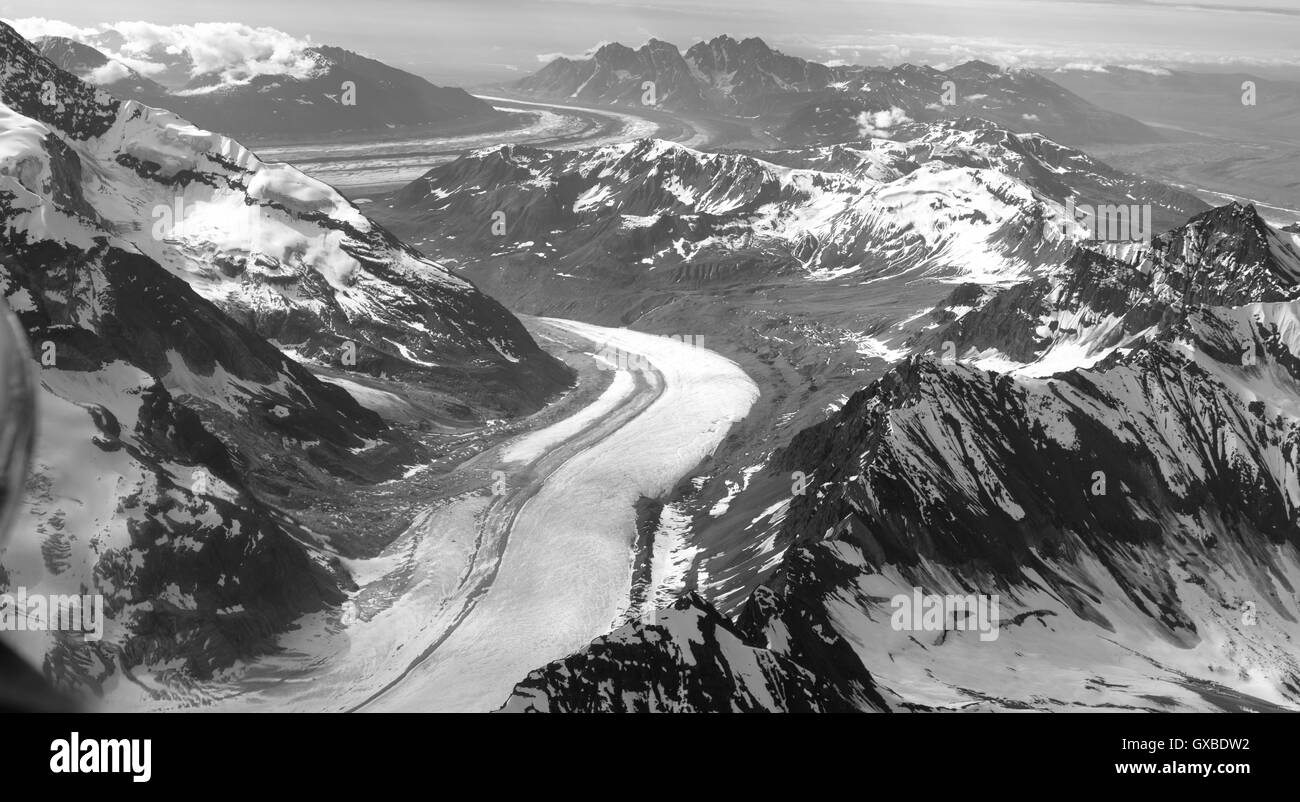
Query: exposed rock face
[806, 103]
[168, 407]
[1143, 500]
[689, 659]
[581, 232]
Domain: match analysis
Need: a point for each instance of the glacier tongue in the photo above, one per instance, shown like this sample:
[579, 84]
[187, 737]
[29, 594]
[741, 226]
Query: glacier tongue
[452, 620]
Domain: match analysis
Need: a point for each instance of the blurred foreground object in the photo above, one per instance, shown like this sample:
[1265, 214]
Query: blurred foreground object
[22, 688]
[17, 416]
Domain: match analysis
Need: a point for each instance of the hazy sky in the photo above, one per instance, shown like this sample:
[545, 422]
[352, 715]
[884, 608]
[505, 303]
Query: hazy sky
[469, 41]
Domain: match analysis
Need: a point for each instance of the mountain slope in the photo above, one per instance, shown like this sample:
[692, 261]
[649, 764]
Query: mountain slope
[1224, 257]
[325, 90]
[806, 103]
[750, 78]
[617, 75]
[1020, 100]
[688, 660]
[284, 254]
[1138, 517]
[1205, 102]
[952, 200]
[173, 429]
[94, 67]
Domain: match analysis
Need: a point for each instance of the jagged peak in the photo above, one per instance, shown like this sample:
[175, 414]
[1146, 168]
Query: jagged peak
[604, 51]
[756, 43]
[652, 45]
[728, 42]
[1218, 228]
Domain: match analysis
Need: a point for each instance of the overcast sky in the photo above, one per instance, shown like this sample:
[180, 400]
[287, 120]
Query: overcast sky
[470, 41]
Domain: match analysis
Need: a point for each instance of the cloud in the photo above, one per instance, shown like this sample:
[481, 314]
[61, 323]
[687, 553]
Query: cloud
[1147, 68]
[108, 73]
[173, 54]
[547, 58]
[35, 27]
[879, 47]
[876, 124]
[1083, 66]
[1184, 5]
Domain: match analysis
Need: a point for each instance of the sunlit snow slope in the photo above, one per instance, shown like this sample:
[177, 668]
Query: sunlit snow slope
[163, 273]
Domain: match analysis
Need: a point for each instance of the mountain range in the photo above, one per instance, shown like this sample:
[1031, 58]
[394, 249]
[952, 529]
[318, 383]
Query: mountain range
[1113, 452]
[970, 389]
[323, 91]
[1103, 435]
[951, 199]
[805, 103]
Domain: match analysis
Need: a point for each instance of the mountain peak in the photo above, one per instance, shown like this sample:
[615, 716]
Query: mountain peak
[85, 55]
[1230, 254]
[652, 44]
[606, 51]
[1232, 215]
[729, 46]
[976, 65]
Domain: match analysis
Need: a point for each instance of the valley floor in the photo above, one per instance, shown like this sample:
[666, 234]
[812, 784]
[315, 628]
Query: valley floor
[360, 167]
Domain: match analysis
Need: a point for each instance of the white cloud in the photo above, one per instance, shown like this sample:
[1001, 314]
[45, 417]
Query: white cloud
[1147, 68]
[877, 124]
[1083, 66]
[108, 73]
[232, 51]
[881, 47]
[33, 27]
[547, 58]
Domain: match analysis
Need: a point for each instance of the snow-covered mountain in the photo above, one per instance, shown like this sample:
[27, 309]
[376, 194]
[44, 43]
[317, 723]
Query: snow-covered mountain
[1079, 429]
[690, 659]
[959, 200]
[297, 89]
[282, 253]
[98, 69]
[163, 273]
[806, 103]
[1136, 513]
[1103, 302]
